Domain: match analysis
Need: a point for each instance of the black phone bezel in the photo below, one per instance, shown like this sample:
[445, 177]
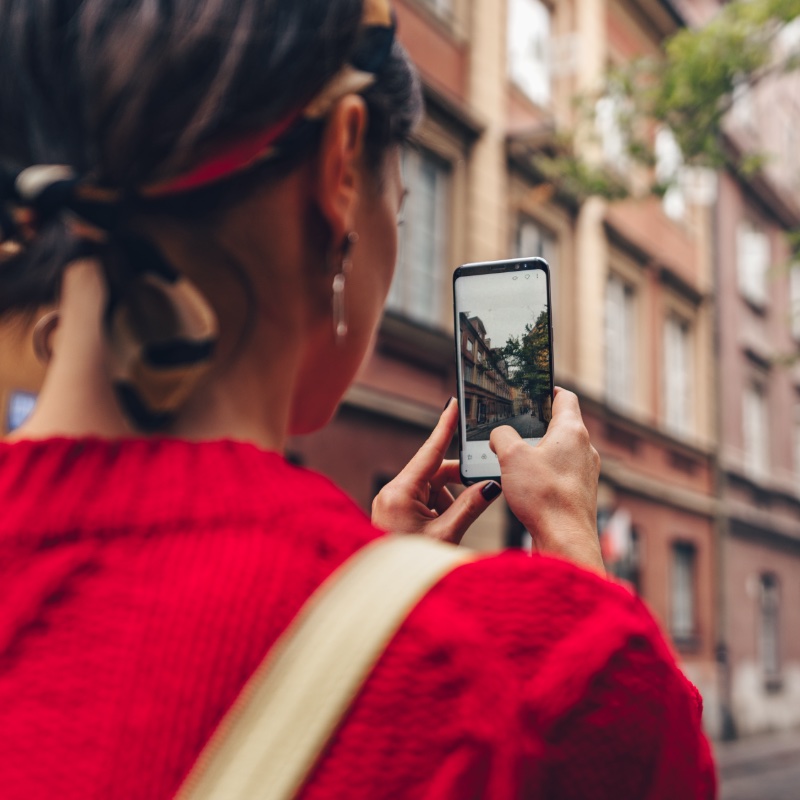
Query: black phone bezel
[489, 268]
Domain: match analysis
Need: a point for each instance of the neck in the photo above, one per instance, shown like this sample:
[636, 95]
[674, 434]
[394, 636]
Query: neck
[248, 400]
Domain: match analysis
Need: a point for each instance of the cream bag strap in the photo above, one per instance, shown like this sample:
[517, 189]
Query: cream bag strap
[270, 739]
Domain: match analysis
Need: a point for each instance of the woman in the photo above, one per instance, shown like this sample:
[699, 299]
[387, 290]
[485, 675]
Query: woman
[219, 234]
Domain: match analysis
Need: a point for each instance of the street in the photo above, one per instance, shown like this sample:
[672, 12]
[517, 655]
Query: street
[525, 425]
[760, 768]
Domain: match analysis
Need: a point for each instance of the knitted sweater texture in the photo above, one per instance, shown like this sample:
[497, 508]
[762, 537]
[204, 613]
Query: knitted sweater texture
[142, 582]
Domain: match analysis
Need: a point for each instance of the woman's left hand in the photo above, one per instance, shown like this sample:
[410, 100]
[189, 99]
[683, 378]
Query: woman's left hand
[418, 500]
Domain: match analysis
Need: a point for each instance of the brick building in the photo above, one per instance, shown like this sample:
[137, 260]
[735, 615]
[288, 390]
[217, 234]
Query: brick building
[632, 288]
[631, 285]
[488, 396]
[758, 298]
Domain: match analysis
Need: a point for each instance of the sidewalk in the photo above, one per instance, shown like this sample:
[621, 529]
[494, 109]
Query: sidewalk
[763, 767]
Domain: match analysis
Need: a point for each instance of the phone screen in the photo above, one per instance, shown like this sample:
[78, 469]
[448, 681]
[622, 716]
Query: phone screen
[505, 354]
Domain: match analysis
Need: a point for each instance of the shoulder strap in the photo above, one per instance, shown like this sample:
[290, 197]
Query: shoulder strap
[271, 737]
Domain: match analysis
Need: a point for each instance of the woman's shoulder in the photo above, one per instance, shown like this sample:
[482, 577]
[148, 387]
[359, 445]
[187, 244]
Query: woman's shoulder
[95, 484]
[576, 664]
[537, 619]
[534, 598]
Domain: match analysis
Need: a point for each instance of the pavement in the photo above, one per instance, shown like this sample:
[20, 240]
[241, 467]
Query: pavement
[764, 767]
[525, 425]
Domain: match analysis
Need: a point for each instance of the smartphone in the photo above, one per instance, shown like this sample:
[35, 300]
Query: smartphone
[504, 353]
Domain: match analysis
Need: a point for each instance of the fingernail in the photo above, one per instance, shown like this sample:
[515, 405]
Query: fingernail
[490, 491]
[447, 404]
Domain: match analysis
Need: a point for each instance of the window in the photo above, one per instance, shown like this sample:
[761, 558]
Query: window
[794, 300]
[609, 113]
[535, 241]
[529, 26]
[20, 407]
[620, 545]
[752, 261]
[669, 167]
[755, 430]
[417, 287]
[769, 634]
[620, 342]
[683, 605]
[629, 568]
[470, 345]
[678, 382]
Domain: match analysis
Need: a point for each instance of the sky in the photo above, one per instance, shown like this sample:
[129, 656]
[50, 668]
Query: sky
[506, 302]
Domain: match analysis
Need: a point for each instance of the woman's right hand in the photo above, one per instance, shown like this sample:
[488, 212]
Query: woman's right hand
[552, 488]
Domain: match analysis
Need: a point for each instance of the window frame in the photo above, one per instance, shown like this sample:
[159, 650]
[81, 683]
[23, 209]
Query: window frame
[683, 635]
[625, 344]
[669, 169]
[752, 280]
[608, 111]
[543, 96]
[769, 618]
[547, 247]
[756, 443]
[18, 408]
[684, 424]
[402, 295]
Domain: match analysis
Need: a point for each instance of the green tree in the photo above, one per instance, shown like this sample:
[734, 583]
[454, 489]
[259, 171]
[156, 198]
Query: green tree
[528, 359]
[689, 88]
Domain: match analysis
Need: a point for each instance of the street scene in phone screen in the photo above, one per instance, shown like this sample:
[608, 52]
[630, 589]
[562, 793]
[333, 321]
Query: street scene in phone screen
[505, 353]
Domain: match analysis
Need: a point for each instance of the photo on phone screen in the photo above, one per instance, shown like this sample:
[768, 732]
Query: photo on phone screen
[504, 350]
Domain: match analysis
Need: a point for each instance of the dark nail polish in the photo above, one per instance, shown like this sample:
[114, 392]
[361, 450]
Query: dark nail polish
[447, 404]
[490, 491]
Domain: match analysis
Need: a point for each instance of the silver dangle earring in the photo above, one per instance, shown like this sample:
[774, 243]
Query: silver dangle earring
[42, 336]
[339, 285]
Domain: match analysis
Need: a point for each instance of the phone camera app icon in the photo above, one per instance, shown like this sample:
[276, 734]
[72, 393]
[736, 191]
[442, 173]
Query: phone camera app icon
[484, 456]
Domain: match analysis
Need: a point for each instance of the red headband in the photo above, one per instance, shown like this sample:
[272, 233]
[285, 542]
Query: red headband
[228, 158]
[240, 153]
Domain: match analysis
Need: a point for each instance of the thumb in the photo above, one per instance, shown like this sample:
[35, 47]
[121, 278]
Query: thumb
[466, 508]
[502, 438]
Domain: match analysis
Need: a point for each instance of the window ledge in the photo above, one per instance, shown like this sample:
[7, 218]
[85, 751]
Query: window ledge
[760, 307]
[419, 343]
[454, 110]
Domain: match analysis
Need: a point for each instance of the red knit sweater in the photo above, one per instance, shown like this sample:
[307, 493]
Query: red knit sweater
[142, 583]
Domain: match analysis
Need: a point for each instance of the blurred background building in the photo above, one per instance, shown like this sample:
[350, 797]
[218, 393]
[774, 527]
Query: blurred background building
[672, 320]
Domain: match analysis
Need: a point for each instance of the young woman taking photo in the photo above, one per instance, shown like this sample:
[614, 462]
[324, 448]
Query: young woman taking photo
[207, 192]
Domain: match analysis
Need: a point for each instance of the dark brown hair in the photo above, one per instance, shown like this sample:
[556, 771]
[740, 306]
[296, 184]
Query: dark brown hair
[128, 90]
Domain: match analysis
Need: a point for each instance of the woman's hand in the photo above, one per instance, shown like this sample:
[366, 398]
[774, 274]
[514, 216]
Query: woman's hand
[418, 500]
[552, 488]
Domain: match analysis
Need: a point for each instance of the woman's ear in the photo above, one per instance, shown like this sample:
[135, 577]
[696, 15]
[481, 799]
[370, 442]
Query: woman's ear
[340, 165]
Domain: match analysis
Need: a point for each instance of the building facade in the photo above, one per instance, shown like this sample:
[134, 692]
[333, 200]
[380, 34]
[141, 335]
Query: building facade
[488, 395]
[759, 350]
[632, 286]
